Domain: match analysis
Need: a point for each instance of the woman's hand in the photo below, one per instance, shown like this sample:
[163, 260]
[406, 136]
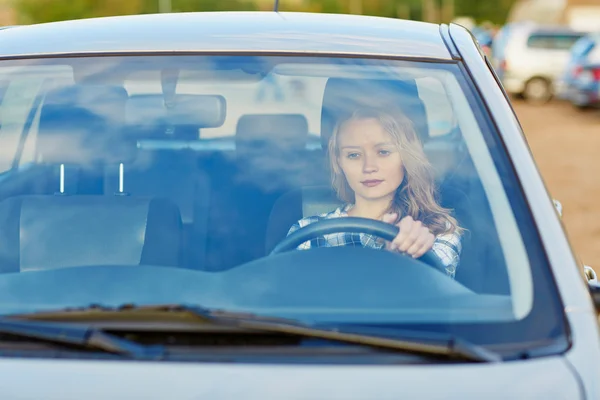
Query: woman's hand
[414, 238]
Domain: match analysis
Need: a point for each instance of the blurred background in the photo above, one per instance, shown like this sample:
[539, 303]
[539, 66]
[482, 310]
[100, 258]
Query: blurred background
[546, 53]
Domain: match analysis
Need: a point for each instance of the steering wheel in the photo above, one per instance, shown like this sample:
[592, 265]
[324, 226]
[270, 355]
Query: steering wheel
[352, 225]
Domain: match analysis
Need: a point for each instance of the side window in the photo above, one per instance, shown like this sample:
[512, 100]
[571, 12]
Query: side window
[565, 42]
[539, 41]
[582, 47]
[23, 101]
[303, 95]
[551, 41]
[440, 116]
[37, 86]
[273, 94]
[17, 102]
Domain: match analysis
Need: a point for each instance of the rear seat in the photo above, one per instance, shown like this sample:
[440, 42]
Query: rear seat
[167, 172]
[78, 129]
[271, 158]
[78, 136]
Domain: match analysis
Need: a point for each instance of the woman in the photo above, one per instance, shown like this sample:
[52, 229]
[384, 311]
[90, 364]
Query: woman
[379, 169]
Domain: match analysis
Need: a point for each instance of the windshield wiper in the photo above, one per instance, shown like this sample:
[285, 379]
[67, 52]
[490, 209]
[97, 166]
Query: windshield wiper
[412, 342]
[77, 336]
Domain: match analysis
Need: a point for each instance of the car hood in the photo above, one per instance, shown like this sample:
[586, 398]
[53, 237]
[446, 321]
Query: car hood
[68, 379]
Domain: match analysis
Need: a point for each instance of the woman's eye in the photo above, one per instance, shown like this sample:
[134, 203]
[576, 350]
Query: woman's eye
[384, 152]
[353, 155]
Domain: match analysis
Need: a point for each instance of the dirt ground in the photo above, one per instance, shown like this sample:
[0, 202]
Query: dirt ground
[566, 145]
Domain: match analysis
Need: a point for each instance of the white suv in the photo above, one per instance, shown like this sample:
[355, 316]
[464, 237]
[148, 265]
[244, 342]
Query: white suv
[533, 58]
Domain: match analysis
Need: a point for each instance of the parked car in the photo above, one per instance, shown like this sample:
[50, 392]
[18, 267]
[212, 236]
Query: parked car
[153, 166]
[484, 38]
[532, 57]
[501, 40]
[578, 58]
[586, 87]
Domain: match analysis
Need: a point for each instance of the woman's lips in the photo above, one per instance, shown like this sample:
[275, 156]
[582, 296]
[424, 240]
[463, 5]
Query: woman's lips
[371, 182]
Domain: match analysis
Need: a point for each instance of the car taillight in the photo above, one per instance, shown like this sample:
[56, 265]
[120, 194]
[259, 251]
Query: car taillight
[577, 70]
[596, 74]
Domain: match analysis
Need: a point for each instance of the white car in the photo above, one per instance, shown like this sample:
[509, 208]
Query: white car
[533, 58]
[152, 168]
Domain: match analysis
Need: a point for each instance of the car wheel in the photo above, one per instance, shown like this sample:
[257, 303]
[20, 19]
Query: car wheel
[538, 91]
[580, 101]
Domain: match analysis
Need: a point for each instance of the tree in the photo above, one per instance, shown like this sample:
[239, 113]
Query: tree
[385, 8]
[151, 6]
[35, 11]
[494, 11]
[38, 11]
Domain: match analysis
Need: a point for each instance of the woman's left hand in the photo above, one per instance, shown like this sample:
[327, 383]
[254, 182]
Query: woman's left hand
[414, 238]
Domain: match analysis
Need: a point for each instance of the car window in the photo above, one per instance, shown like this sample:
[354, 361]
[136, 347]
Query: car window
[278, 93]
[440, 116]
[582, 47]
[17, 101]
[21, 92]
[552, 41]
[194, 169]
[594, 55]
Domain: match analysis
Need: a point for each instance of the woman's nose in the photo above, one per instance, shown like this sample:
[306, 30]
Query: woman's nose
[370, 165]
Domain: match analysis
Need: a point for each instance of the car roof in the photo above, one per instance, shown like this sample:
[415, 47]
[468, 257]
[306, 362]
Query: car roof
[270, 32]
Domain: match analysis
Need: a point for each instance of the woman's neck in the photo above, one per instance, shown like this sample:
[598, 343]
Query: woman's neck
[373, 209]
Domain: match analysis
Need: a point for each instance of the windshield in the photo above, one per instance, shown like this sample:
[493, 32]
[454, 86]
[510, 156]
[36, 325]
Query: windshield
[582, 47]
[171, 179]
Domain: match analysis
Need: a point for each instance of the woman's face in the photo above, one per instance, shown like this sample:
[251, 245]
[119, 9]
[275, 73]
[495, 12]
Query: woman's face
[369, 159]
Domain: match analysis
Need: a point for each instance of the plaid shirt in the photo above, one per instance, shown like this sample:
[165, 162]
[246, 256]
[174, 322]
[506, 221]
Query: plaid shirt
[446, 246]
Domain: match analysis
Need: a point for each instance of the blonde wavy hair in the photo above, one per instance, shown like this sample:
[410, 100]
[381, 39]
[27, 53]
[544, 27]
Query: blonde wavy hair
[416, 195]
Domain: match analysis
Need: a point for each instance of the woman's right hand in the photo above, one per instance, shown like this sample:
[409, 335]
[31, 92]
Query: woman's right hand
[414, 238]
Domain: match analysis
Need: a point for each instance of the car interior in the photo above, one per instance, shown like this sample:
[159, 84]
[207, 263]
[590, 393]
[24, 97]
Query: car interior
[210, 210]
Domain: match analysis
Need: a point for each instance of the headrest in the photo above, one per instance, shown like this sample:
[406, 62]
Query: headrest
[342, 96]
[150, 113]
[82, 124]
[287, 132]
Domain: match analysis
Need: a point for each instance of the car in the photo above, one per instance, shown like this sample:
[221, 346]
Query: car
[581, 50]
[501, 39]
[153, 169]
[584, 91]
[530, 58]
[484, 38]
